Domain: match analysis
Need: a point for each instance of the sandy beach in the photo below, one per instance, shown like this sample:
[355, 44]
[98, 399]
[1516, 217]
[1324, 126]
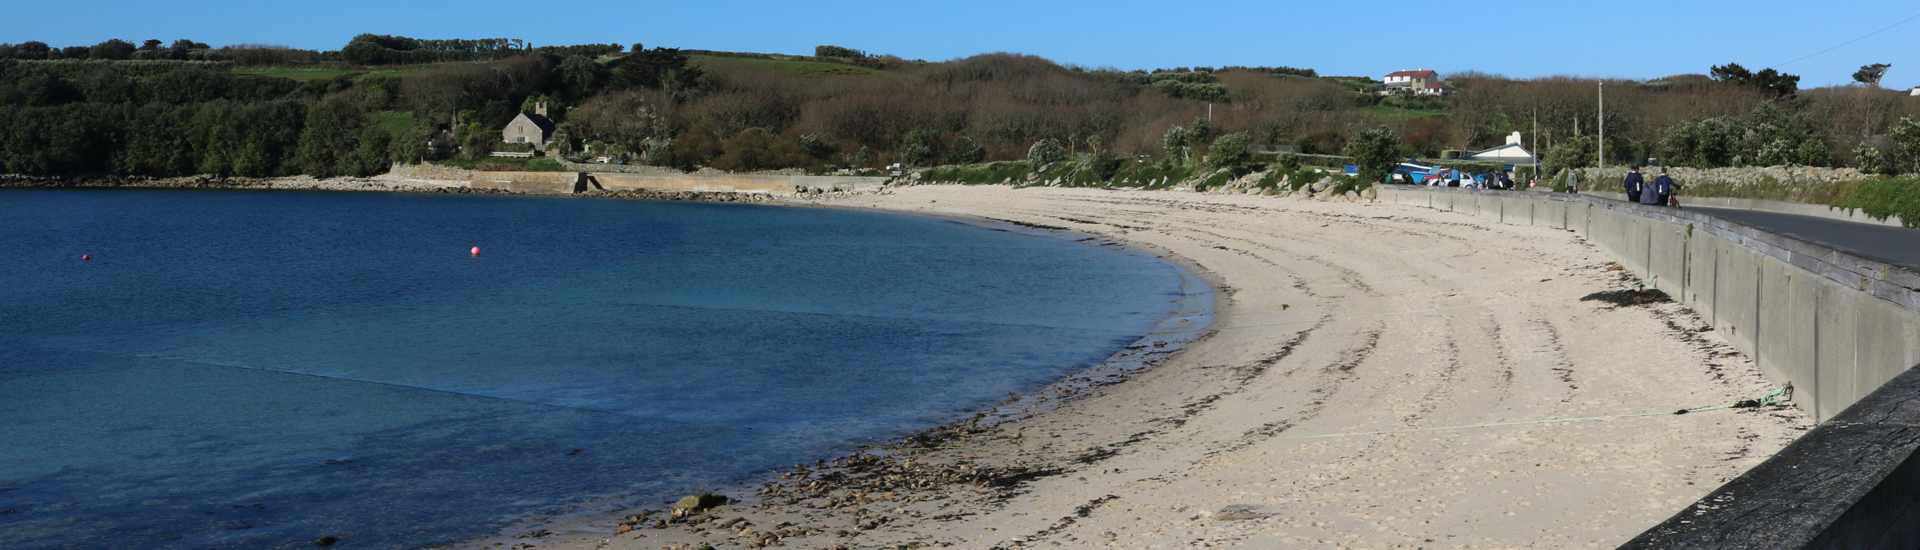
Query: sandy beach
[1374, 376]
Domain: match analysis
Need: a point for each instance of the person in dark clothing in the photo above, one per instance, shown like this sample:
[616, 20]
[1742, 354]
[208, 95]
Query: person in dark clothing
[1666, 188]
[1634, 184]
[1506, 181]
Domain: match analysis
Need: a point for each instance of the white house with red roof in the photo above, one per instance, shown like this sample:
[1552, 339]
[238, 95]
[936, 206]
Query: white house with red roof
[1420, 82]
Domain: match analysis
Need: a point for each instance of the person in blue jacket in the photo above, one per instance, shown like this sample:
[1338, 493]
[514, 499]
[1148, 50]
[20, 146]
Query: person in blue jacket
[1634, 184]
[1666, 188]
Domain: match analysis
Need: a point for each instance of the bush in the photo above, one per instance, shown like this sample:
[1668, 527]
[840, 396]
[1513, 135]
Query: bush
[1906, 147]
[1284, 162]
[1328, 161]
[1869, 159]
[1175, 142]
[915, 153]
[837, 51]
[1101, 166]
[1573, 153]
[759, 149]
[1376, 151]
[1046, 151]
[1814, 153]
[1230, 151]
[965, 151]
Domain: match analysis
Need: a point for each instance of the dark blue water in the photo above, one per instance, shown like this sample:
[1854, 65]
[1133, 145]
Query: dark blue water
[258, 370]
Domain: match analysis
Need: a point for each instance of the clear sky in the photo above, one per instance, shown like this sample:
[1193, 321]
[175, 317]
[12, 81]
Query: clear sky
[1636, 39]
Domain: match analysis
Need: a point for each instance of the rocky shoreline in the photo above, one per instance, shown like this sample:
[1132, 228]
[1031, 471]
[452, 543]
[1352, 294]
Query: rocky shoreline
[382, 184]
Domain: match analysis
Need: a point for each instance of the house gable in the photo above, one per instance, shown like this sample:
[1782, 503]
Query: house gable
[532, 128]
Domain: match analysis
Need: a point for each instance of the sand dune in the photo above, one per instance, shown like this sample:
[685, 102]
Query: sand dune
[1336, 321]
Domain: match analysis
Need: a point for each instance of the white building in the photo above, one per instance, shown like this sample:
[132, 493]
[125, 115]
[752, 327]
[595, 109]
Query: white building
[1511, 153]
[1410, 79]
[1420, 82]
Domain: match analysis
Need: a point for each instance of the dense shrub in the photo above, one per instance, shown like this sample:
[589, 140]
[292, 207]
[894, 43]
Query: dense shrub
[1046, 151]
[1376, 151]
[760, 149]
[1230, 151]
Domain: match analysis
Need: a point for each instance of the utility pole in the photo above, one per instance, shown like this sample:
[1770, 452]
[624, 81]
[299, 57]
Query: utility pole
[1603, 125]
[1536, 144]
[1209, 111]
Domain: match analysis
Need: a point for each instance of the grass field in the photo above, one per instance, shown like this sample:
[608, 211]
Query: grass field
[1406, 113]
[297, 73]
[303, 74]
[394, 122]
[497, 164]
[803, 68]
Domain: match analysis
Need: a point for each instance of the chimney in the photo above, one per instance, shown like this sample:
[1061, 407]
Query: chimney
[540, 108]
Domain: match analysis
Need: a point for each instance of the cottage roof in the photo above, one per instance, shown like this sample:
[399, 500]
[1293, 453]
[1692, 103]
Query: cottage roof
[546, 126]
[1423, 73]
[1511, 153]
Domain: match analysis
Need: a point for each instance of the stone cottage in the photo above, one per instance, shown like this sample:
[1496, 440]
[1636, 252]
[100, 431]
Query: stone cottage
[534, 128]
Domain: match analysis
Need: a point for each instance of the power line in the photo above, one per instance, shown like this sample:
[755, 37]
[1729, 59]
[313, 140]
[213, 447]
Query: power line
[1902, 22]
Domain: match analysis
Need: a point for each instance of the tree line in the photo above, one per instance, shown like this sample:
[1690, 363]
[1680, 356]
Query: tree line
[170, 116]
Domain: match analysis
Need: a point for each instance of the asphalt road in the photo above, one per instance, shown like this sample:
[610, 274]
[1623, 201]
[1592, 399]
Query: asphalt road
[1895, 245]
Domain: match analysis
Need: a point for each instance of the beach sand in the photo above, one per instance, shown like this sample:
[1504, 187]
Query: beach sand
[1335, 321]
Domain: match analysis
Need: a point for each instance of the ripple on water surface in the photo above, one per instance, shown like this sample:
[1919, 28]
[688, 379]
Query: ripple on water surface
[257, 370]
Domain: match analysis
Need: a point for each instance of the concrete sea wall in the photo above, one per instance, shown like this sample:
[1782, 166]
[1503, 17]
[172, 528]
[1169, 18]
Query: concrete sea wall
[1836, 326]
[652, 179]
[548, 183]
[733, 183]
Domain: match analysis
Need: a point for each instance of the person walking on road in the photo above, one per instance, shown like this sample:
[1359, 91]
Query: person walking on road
[1635, 184]
[1573, 180]
[1666, 188]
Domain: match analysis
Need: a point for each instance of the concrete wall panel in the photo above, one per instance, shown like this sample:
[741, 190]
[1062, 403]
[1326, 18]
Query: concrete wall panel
[1836, 350]
[1737, 296]
[1635, 238]
[1667, 257]
[553, 183]
[1553, 214]
[1785, 351]
[1884, 349]
[1703, 253]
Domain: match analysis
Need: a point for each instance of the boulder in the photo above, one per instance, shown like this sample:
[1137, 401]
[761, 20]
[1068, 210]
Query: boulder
[694, 504]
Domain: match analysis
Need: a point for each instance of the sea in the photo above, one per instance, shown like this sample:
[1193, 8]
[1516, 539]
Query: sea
[259, 369]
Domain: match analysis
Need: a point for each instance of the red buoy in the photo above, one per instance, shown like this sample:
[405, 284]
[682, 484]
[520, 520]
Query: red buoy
[476, 251]
[84, 257]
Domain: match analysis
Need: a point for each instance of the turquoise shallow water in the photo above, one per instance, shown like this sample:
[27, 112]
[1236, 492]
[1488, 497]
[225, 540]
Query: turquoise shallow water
[257, 370]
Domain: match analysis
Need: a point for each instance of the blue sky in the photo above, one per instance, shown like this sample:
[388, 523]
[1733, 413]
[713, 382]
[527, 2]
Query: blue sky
[1629, 39]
